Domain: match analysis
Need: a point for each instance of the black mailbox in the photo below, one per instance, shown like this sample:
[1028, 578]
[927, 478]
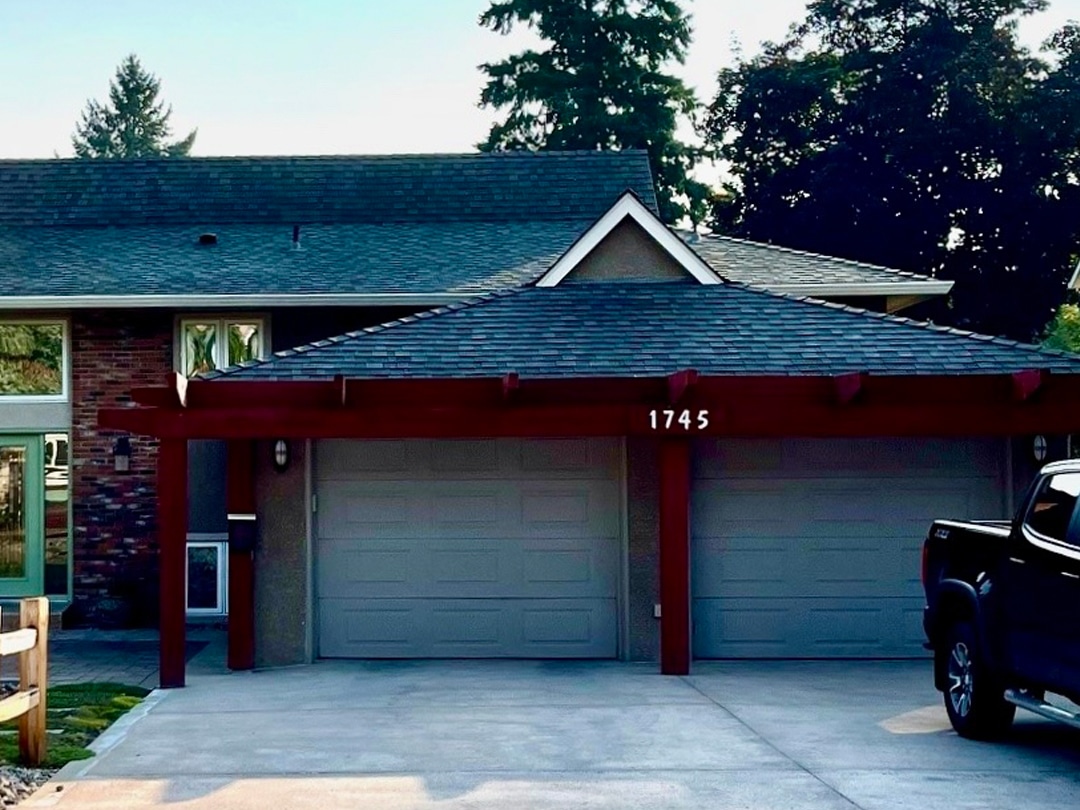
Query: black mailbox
[242, 532]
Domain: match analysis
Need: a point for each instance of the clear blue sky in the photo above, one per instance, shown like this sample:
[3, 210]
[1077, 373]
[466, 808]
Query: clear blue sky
[305, 76]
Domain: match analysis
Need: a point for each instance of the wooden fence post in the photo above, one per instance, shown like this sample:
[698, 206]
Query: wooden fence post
[34, 673]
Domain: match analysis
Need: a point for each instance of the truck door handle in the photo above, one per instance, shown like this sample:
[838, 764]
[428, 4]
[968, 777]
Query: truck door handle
[1070, 575]
[1017, 560]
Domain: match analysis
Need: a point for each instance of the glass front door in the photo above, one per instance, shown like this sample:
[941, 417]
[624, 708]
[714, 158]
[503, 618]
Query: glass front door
[21, 507]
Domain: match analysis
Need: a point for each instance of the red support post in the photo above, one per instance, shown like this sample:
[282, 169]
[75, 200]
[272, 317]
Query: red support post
[240, 499]
[675, 556]
[172, 542]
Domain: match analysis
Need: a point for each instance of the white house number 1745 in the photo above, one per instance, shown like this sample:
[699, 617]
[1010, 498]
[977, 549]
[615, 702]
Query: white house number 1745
[687, 420]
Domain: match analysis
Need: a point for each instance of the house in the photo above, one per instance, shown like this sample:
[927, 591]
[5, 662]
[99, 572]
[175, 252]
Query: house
[499, 388]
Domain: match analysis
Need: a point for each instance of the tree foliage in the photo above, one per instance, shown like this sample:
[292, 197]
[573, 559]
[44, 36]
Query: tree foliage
[917, 134]
[31, 358]
[601, 83]
[133, 123]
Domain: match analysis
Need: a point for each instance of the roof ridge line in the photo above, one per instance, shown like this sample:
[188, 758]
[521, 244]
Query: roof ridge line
[469, 302]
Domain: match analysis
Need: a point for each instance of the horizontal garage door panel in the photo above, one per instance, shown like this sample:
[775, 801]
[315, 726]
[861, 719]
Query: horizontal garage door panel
[468, 548]
[810, 548]
[471, 628]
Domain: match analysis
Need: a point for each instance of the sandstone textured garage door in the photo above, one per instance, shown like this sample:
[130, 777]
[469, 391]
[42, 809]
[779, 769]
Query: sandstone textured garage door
[445, 549]
[811, 548]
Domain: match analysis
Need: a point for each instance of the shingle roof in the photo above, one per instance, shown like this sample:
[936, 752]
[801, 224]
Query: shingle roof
[478, 187]
[645, 329]
[778, 267]
[416, 224]
[416, 258]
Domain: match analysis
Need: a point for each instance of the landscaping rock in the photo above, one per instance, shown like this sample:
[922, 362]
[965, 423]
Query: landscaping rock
[18, 783]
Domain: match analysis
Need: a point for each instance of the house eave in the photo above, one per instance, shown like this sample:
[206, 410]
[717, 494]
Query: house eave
[861, 289]
[66, 302]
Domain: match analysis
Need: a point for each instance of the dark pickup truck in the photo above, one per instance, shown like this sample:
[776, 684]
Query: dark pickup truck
[1003, 609]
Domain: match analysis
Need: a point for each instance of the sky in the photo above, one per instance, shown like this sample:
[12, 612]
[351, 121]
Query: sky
[310, 76]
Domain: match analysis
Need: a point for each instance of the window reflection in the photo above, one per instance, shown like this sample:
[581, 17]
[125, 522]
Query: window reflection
[57, 494]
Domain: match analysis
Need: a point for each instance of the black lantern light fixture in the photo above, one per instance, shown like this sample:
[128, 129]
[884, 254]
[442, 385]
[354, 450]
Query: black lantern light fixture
[121, 453]
[281, 455]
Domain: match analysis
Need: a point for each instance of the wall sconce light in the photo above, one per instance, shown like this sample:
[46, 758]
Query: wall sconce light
[121, 452]
[281, 455]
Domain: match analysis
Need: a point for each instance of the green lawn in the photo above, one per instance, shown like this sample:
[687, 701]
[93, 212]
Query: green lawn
[77, 714]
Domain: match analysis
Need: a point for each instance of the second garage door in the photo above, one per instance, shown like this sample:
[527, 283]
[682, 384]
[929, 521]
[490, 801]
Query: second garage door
[810, 548]
[444, 549]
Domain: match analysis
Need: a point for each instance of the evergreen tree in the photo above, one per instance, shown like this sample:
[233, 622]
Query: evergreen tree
[601, 83]
[133, 124]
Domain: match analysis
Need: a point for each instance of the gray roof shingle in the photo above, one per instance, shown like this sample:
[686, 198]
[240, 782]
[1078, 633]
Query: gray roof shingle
[370, 225]
[477, 187]
[778, 267]
[450, 257]
[623, 329]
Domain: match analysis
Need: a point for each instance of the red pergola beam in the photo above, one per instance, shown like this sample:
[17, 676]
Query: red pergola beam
[240, 502]
[680, 384]
[744, 417]
[172, 549]
[674, 556]
[1027, 383]
[848, 387]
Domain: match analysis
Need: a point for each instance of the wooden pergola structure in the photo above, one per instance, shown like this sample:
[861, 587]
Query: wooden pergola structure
[674, 409]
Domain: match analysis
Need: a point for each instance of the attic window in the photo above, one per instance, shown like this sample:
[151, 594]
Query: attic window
[207, 238]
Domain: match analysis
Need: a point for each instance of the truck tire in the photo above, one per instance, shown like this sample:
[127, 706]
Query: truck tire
[974, 700]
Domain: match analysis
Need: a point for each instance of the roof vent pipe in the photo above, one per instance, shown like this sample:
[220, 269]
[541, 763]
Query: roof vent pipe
[296, 237]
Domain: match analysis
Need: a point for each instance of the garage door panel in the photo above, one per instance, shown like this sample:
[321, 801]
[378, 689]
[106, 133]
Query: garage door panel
[804, 628]
[464, 628]
[819, 555]
[467, 553]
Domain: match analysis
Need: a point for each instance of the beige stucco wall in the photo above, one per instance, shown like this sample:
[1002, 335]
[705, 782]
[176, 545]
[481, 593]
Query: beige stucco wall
[628, 253]
[643, 528]
[281, 559]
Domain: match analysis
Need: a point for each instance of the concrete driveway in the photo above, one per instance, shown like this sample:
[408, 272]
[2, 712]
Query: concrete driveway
[565, 735]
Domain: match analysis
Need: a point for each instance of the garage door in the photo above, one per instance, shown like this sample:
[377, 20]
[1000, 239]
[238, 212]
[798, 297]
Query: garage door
[465, 549]
[811, 548]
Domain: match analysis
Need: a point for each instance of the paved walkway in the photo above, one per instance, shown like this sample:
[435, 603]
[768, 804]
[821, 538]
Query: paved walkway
[119, 656]
[556, 736]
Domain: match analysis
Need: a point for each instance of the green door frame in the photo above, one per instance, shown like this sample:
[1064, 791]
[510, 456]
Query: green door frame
[33, 517]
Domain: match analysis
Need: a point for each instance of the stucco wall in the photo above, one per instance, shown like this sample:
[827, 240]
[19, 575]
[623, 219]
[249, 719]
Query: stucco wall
[281, 558]
[628, 253]
[643, 527]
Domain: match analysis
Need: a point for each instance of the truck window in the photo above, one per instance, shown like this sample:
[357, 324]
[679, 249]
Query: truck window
[1053, 505]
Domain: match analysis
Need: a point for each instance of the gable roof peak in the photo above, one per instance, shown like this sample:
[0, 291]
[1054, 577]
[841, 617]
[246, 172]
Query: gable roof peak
[629, 207]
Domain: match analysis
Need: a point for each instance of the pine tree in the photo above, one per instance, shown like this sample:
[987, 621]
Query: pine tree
[600, 84]
[133, 124]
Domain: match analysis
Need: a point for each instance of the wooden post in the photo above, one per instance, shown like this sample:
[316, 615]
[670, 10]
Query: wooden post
[172, 559]
[240, 500]
[34, 674]
[675, 556]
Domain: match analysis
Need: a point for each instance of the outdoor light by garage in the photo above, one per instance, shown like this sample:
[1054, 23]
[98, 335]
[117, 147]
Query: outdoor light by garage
[281, 455]
[122, 454]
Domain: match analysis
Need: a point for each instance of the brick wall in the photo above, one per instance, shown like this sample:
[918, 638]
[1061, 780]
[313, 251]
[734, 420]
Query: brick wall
[115, 537]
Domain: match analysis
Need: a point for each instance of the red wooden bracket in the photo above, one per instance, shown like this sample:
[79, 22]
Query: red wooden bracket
[680, 383]
[510, 385]
[1025, 384]
[847, 387]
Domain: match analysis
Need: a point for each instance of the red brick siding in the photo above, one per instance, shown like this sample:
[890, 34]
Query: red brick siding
[115, 532]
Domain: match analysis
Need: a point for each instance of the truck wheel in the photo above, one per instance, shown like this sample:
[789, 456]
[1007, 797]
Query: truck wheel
[974, 701]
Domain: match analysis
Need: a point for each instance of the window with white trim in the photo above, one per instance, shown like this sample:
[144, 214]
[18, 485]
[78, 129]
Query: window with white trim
[34, 358]
[207, 578]
[212, 343]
